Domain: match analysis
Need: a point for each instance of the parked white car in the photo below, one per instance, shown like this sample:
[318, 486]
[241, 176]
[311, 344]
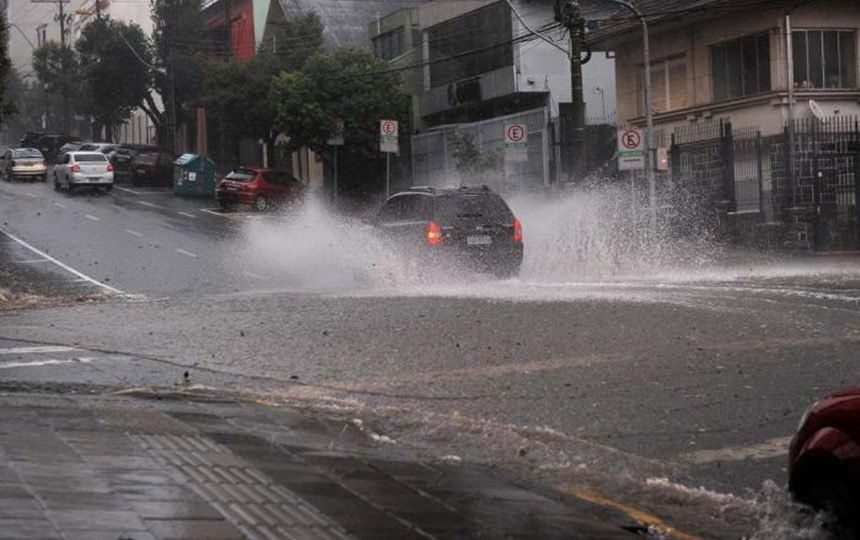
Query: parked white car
[76, 169]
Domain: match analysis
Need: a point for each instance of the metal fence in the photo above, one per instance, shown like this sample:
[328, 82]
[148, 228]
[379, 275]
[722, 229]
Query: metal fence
[434, 162]
[730, 176]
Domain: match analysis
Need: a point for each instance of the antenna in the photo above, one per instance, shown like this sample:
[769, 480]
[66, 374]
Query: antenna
[817, 111]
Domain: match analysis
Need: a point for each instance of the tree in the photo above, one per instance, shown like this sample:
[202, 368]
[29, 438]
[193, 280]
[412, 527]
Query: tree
[29, 100]
[177, 44]
[57, 69]
[114, 65]
[237, 94]
[473, 165]
[7, 107]
[348, 84]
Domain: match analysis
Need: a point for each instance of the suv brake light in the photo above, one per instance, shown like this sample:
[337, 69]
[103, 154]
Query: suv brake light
[75, 168]
[434, 234]
[518, 231]
[109, 168]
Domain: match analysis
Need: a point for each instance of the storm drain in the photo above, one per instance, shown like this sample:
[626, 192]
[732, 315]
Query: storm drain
[260, 508]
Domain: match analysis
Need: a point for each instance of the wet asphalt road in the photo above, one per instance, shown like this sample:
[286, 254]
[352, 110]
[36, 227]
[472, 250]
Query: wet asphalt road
[696, 381]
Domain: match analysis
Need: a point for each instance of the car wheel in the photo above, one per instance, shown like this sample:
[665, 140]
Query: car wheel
[261, 203]
[838, 503]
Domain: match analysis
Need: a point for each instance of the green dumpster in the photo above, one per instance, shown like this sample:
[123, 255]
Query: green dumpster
[194, 175]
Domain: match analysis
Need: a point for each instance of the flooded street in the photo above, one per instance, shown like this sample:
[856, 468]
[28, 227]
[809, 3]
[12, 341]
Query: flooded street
[661, 374]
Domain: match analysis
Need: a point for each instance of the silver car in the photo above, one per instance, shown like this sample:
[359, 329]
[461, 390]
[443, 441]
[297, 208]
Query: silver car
[27, 163]
[76, 169]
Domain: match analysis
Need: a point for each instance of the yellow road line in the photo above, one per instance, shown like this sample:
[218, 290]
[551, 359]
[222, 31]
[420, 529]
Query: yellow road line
[636, 514]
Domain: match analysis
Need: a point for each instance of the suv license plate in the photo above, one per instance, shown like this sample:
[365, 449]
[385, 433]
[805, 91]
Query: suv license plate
[479, 240]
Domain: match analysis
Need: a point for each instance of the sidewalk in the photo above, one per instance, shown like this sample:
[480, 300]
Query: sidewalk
[166, 466]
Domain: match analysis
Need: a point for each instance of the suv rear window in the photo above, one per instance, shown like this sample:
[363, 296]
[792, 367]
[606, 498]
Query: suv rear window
[486, 206]
[80, 158]
[241, 175]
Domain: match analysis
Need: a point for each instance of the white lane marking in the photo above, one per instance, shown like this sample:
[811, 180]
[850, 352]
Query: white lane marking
[213, 212]
[146, 203]
[771, 448]
[37, 350]
[61, 205]
[127, 190]
[134, 233]
[252, 275]
[186, 214]
[186, 253]
[91, 218]
[33, 195]
[50, 362]
[62, 265]
[31, 261]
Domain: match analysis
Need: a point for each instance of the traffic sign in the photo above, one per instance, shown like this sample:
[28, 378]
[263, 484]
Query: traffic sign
[516, 142]
[388, 135]
[516, 133]
[631, 150]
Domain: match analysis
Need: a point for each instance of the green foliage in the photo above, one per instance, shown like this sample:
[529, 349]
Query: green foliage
[470, 161]
[349, 84]
[57, 68]
[29, 99]
[238, 93]
[7, 107]
[113, 59]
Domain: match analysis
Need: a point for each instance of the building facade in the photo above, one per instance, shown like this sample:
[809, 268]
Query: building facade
[759, 109]
[470, 68]
[734, 63]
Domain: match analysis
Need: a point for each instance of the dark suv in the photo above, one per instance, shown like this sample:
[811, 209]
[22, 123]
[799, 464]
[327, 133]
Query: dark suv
[152, 167]
[469, 227]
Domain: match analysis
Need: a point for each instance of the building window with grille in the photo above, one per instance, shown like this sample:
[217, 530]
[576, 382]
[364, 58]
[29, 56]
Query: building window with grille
[824, 58]
[388, 45]
[741, 67]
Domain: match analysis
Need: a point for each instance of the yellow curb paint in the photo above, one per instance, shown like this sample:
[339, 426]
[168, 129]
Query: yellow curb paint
[636, 514]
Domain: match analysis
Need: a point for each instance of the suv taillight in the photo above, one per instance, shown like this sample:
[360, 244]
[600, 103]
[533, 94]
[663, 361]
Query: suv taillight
[75, 168]
[434, 234]
[518, 231]
[109, 168]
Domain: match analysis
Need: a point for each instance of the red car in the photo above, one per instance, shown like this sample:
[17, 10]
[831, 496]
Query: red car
[824, 462]
[259, 187]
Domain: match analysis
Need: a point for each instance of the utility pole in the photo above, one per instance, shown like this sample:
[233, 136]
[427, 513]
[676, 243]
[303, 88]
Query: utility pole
[62, 19]
[570, 15]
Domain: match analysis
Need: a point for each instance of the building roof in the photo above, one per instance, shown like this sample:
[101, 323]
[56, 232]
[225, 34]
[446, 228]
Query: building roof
[345, 21]
[622, 23]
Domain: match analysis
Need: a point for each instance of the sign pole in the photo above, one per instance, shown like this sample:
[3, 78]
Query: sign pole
[387, 174]
[388, 135]
[335, 177]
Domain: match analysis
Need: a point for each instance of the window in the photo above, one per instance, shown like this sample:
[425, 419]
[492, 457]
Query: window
[388, 45]
[475, 43]
[741, 67]
[668, 85]
[824, 58]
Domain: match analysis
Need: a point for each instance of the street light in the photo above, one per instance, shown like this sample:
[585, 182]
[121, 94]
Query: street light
[649, 116]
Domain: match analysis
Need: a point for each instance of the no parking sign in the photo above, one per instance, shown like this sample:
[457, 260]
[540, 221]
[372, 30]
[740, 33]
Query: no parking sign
[516, 142]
